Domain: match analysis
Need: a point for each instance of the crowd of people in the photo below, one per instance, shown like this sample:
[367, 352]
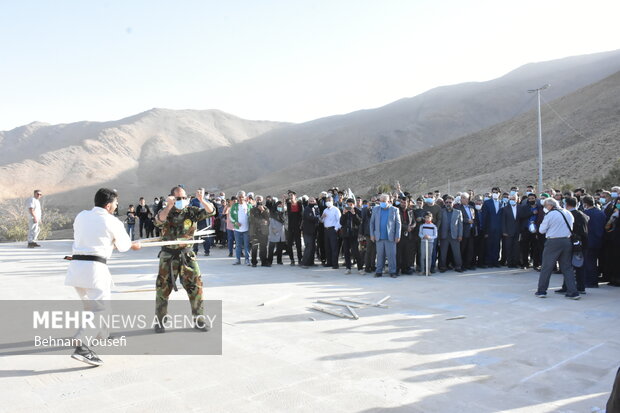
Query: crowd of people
[411, 234]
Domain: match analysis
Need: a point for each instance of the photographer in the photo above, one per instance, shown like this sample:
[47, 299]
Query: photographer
[350, 222]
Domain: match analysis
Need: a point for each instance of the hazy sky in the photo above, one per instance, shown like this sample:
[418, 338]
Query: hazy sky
[65, 61]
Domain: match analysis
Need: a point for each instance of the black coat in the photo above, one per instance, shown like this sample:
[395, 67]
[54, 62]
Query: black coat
[294, 218]
[510, 224]
[310, 221]
[468, 229]
[365, 225]
[580, 226]
[350, 224]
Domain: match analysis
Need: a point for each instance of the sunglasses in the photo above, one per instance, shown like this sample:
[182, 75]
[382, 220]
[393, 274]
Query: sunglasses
[180, 198]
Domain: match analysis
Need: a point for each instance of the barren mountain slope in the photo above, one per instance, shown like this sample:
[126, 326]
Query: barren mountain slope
[506, 153]
[61, 157]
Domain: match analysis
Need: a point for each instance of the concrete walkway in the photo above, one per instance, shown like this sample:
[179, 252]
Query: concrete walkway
[512, 352]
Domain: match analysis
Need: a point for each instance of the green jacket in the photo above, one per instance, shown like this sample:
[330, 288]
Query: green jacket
[234, 214]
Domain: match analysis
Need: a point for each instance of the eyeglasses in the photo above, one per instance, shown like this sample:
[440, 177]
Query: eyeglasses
[180, 198]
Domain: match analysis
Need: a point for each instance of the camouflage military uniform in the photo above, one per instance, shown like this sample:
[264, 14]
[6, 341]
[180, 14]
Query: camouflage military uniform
[181, 224]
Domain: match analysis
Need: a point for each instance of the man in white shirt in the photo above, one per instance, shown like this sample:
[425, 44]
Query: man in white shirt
[96, 233]
[34, 210]
[239, 215]
[331, 221]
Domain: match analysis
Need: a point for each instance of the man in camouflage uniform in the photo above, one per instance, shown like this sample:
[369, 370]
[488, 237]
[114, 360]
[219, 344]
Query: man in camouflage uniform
[177, 221]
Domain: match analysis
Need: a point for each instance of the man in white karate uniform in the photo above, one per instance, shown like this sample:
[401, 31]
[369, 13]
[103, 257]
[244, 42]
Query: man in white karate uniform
[96, 233]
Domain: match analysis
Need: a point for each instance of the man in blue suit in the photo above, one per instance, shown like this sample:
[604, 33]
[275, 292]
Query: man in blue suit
[385, 229]
[596, 229]
[492, 211]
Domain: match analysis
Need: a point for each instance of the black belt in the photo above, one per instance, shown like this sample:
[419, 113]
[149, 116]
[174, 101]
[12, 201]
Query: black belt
[329, 227]
[176, 253]
[86, 258]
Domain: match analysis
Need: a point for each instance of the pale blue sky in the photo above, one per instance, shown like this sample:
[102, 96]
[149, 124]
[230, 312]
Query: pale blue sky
[65, 61]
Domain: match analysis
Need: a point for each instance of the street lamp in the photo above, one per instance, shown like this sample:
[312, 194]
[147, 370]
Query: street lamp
[540, 156]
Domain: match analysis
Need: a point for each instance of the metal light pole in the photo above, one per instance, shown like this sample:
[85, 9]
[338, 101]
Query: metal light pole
[540, 155]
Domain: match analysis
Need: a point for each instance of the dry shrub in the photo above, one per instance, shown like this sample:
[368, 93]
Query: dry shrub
[15, 219]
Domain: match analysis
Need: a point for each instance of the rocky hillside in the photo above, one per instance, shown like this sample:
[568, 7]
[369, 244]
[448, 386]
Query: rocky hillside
[507, 153]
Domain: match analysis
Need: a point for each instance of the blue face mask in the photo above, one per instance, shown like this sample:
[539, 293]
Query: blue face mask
[397, 203]
[486, 198]
[383, 204]
[513, 202]
[603, 200]
[181, 203]
[513, 192]
[279, 209]
[428, 200]
[614, 195]
[364, 206]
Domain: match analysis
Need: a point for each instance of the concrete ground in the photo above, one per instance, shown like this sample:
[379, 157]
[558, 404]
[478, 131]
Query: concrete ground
[511, 353]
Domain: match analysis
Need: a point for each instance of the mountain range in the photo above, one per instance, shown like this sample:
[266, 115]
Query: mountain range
[472, 134]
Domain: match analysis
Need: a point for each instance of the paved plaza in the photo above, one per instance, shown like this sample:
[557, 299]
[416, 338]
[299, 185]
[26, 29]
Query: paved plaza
[473, 342]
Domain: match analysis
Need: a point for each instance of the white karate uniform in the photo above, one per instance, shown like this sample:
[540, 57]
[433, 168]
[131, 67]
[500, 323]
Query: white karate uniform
[95, 232]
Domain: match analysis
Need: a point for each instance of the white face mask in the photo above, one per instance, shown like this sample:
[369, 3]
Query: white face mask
[495, 195]
[545, 210]
[478, 207]
[329, 204]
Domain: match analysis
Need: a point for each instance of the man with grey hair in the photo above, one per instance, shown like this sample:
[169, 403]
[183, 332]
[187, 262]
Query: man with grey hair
[239, 216]
[385, 229]
[557, 226]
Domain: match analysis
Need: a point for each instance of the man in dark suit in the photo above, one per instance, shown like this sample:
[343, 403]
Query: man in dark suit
[479, 238]
[467, 244]
[596, 229]
[492, 211]
[608, 251]
[511, 215]
[370, 252]
[528, 243]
